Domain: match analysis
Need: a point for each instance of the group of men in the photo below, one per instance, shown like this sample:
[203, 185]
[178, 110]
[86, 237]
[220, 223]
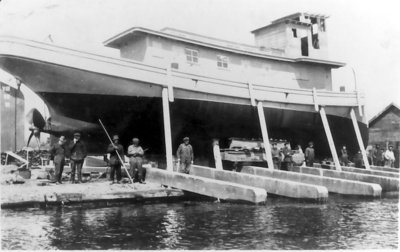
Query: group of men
[379, 157]
[76, 151]
[283, 158]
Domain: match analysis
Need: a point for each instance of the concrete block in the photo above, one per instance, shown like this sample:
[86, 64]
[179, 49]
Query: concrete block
[271, 185]
[371, 172]
[387, 183]
[381, 168]
[335, 185]
[207, 186]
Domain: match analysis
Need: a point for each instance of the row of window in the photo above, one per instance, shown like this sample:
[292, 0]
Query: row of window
[192, 56]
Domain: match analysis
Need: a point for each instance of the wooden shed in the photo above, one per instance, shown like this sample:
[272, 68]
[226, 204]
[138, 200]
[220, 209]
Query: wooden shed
[384, 129]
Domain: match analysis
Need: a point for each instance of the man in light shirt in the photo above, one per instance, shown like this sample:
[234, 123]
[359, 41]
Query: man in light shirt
[389, 157]
[135, 154]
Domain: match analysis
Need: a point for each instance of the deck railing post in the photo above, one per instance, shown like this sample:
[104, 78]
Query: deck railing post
[167, 129]
[265, 137]
[330, 139]
[359, 139]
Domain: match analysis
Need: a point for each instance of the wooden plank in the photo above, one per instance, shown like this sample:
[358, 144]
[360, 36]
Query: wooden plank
[265, 137]
[359, 139]
[330, 139]
[167, 129]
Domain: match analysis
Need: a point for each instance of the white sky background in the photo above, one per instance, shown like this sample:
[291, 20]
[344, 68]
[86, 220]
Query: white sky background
[365, 34]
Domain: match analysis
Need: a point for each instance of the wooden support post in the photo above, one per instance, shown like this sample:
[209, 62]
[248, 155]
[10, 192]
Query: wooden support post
[316, 106]
[167, 129]
[251, 93]
[330, 139]
[169, 85]
[265, 137]
[359, 139]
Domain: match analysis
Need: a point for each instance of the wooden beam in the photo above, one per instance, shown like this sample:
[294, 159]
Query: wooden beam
[330, 139]
[251, 93]
[359, 139]
[265, 137]
[316, 105]
[167, 129]
[169, 84]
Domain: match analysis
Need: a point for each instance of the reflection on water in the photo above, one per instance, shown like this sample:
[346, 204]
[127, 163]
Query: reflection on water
[341, 223]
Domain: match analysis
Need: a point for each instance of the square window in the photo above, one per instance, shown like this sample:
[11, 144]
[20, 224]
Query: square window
[222, 61]
[192, 55]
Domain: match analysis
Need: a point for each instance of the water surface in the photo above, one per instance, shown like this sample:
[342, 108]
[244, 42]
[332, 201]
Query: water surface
[340, 223]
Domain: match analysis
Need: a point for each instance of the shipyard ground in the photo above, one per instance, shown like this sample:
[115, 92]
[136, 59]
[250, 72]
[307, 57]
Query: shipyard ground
[40, 193]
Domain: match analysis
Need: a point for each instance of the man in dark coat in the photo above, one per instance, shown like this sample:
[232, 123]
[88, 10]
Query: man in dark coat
[287, 160]
[78, 154]
[185, 155]
[115, 162]
[310, 154]
[57, 154]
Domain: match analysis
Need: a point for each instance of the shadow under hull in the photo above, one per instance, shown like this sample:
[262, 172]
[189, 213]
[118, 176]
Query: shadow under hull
[202, 121]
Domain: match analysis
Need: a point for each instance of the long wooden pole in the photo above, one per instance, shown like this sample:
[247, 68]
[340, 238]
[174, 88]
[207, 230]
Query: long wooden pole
[330, 139]
[167, 129]
[359, 139]
[120, 159]
[264, 133]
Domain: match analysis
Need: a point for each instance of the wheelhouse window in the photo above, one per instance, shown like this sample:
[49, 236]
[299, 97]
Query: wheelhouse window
[222, 61]
[192, 56]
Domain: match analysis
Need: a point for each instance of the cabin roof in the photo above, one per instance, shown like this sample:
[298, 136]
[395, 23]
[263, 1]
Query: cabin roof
[178, 35]
[391, 107]
[290, 19]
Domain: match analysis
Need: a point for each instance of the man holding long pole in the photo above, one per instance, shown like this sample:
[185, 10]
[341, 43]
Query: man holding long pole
[115, 164]
[120, 159]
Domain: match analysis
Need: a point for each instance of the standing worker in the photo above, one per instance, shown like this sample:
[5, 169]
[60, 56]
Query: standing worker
[135, 152]
[115, 163]
[78, 154]
[377, 155]
[217, 154]
[310, 154]
[57, 154]
[185, 155]
[287, 160]
[389, 157]
[345, 156]
[276, 156]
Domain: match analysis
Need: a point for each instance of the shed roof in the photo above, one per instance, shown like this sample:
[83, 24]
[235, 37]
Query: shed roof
[391, 107]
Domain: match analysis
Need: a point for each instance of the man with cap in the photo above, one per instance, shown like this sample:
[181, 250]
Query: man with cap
[389, 157]
[276, 156]
[287, 159]
[78, 152]
[57, 154]
[115, 162]
[185, 155]
[310, 154]
[135, 154]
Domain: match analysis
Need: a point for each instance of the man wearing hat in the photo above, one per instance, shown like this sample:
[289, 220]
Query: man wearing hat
[58, 153]
[115, 162]
[389, 157]
[276, 156]
[185, 155]
[78, 152]
[135, 154]
[310, 154]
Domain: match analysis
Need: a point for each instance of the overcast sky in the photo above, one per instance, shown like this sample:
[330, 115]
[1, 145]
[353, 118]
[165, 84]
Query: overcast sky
[365, 34]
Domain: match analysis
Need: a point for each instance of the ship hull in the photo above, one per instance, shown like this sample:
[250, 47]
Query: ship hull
[80, 88]
[202, 121]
